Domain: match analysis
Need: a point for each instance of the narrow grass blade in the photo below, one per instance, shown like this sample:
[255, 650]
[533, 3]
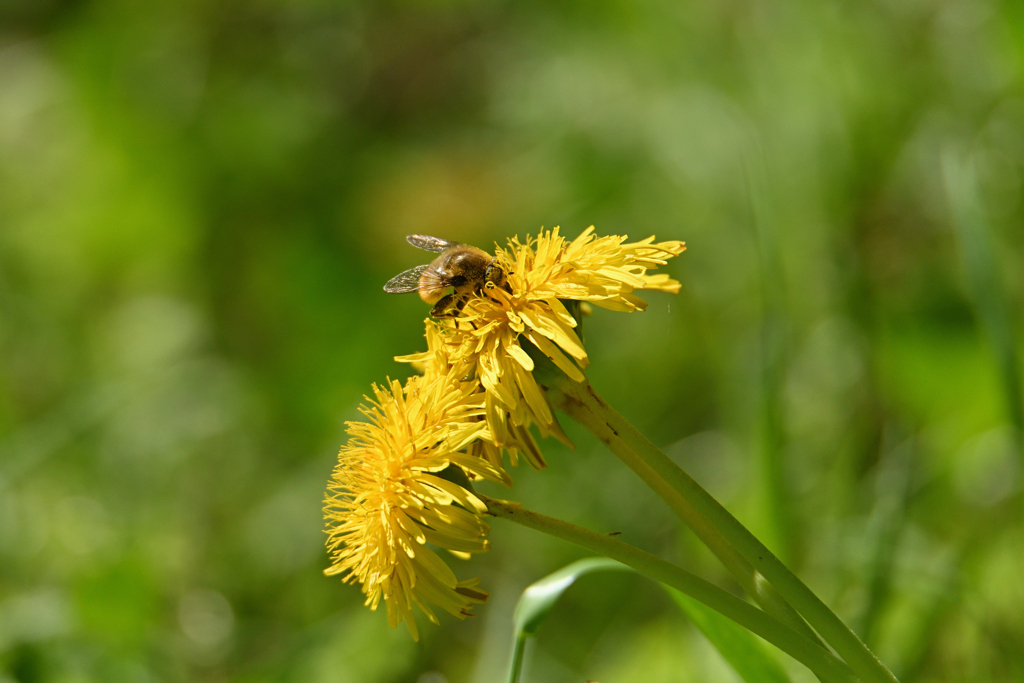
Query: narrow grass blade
[987, 290]
[775, 351]
[892, 491]
[738, 646]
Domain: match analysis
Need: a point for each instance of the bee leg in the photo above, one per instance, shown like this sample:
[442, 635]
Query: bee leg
[459, 305]
[444, 307]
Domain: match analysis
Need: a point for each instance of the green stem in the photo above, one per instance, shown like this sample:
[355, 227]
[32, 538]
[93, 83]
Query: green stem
[824, 665]
[697, 507]
[752, 582]
[518, 649]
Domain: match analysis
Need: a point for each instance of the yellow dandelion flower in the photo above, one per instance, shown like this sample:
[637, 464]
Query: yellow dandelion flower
[601, 270]
[387, 499]
[487, 336]
[438, 360]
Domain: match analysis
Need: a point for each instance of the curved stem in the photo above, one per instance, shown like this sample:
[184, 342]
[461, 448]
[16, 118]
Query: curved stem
[752, 582]
[824, 665]
[697, 507]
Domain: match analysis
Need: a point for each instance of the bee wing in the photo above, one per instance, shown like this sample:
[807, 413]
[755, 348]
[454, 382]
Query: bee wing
[407, 281]
[428, 243]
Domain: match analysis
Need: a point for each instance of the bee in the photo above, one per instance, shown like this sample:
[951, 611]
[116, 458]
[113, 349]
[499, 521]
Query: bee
[449, 280]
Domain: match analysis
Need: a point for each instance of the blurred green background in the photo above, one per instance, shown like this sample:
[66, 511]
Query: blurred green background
[200, 201]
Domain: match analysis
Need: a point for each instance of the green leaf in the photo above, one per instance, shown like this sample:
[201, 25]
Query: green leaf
[539, 598]
[738, 646]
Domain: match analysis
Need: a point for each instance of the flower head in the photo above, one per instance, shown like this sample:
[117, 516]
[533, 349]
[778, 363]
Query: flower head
[486, 340]
[387, 498]
[441, 358]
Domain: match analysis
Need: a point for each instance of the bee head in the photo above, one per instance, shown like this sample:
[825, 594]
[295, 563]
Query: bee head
[494, 274]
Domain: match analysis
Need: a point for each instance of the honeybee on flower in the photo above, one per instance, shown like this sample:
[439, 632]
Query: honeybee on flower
[448, 281]
[486, 339]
